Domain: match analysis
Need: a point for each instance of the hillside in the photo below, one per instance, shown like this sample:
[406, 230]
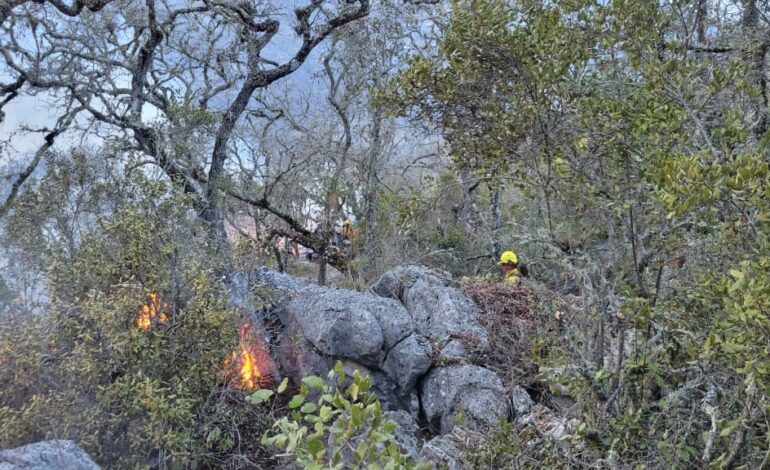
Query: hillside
[384, 234]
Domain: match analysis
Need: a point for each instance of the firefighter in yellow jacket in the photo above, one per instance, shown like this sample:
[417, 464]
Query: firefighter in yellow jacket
[509, 263]
[348, 234]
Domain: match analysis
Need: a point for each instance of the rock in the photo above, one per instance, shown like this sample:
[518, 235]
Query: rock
[389, 286]
[277, 286]
[297, 357]
[443, 451]
[438, 310]
[321, 325]
[406, 433]
[483, 407]
[338, 328]
[522, 402]
[394, 283]
[276, 280]
[452, 351]
[392, 397]
[446, 451]
[408, 360]
[47, 455]
[348, 324]
[477, 392]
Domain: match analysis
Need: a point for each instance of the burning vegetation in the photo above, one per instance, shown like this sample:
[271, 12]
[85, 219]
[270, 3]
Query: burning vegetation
[153, 310]
[246, 368]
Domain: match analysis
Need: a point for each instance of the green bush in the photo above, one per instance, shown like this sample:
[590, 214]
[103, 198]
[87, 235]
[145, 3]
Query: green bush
[133, 397]
[337, 427]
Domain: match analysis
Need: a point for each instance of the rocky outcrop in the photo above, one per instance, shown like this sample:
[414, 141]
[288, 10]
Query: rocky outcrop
[372, 334]
[465, 394]
[47, 455]
[407, 433]
[438, 309]
[452, 351]
[389, 334]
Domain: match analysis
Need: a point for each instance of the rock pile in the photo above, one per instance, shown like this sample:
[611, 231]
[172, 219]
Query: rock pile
[389, 333]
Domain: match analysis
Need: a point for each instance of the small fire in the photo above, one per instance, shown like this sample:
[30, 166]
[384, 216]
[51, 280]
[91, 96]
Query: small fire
[151, 310]
[243, 367]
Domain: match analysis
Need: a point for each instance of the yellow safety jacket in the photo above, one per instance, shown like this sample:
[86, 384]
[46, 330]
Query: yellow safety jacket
[512, 277]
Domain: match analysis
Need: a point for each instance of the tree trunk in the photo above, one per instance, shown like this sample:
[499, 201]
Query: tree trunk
[496, 221]
[215, 220]
[701, 11]
[372, 184]
[322, 267]
[463, 211]
[754, 53]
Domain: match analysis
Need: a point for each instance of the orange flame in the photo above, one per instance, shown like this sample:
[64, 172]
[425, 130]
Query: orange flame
[149, 311]
[243, 367]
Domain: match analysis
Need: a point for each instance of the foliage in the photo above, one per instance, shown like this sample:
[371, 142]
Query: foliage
[132, 397]
[336, 426]
[639, 177]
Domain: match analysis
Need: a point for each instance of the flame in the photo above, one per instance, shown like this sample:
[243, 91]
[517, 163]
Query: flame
[149, 311]
[243, 366]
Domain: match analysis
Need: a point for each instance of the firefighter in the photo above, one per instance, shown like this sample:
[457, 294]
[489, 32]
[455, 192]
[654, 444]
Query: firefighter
[509, 263]
[347, 232]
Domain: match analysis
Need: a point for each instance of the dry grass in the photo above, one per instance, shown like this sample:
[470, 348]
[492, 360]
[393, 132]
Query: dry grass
[521, 334]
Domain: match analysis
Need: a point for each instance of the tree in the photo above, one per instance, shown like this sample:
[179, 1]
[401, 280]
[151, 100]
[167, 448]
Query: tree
[120, 63]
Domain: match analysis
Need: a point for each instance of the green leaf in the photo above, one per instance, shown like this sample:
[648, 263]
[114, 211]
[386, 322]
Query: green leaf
[284, 385]
[308, 408]
[325, 413]
[296, 401]
[260, 396]
[314, 382]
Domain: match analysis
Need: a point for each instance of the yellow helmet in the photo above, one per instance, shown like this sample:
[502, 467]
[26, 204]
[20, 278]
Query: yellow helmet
[347, 222]
[508, 257]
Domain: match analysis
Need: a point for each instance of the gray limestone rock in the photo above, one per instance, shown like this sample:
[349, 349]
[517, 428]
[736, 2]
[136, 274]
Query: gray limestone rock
[522, 402]
[443, 451]
[408, 360]
[476, 392]
[47, 455]
[438, 309]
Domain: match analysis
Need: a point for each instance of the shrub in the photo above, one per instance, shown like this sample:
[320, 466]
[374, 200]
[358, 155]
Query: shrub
[344, 427]
[132, 394]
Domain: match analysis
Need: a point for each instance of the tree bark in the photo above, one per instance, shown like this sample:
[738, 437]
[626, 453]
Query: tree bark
[701, 11]
[755, 49]
[372, 185]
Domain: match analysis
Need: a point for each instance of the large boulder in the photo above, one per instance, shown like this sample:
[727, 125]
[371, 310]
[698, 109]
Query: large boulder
[391, 396]
[408, 360]
[277, 286]
[338, 324]
[320, 325]
[439, 310]
[474, 391]
[47, 455]
[349, 324]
